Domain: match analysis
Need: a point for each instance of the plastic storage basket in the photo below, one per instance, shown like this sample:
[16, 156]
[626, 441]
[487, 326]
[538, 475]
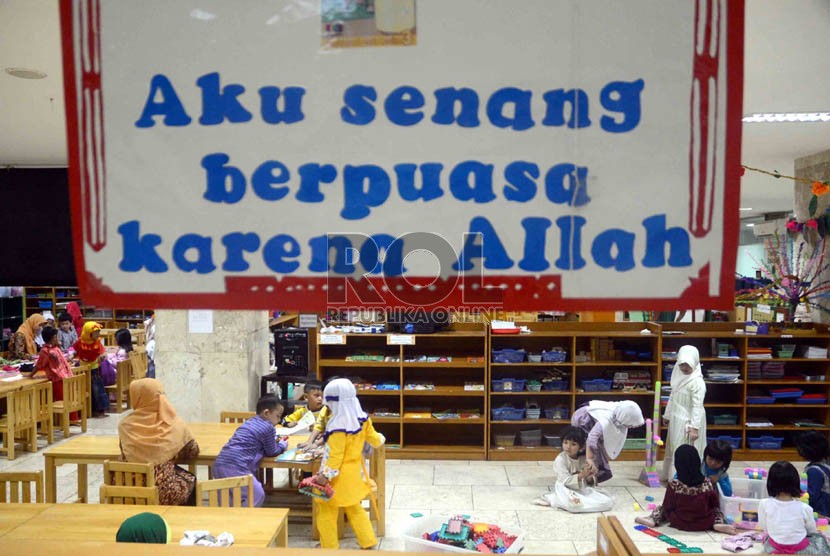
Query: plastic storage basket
[555, 385]
[765, 442]
[558, 413]
[508, 385]
[734, 441]
[507, 414]
[531, 437]
[741, 508]
[413, 542]
[725, 419]
[505, 440]
[556, 355]
[597, 385]
[508, 355]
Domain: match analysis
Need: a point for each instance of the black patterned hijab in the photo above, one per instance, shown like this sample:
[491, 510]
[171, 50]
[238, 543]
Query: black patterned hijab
[687, 463]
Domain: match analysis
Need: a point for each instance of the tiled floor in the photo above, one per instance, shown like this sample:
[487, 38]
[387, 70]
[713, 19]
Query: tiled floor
[500, 492]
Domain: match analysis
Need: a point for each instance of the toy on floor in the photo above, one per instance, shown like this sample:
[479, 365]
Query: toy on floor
[741, 541]
[755, 473]
[649, 476]
[310, 487]
[677, 546]
[458, 531]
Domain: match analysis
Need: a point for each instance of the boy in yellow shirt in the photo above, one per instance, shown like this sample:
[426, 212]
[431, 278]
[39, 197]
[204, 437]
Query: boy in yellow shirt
[348, 429]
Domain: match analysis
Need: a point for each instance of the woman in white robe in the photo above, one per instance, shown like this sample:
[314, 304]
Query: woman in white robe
[684, 413]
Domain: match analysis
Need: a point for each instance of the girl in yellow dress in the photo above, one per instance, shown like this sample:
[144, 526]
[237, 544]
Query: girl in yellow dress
[347, 431]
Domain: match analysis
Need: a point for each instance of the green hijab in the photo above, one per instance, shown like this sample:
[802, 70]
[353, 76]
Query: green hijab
[145, 528]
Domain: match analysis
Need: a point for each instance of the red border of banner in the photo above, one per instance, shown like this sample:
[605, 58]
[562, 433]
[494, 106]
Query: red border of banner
[520, 293]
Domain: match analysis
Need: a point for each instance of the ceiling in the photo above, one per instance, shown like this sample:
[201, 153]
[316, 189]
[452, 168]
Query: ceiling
[787, 69]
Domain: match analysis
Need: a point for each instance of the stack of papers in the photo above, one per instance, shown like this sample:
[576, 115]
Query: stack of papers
[757, 352]
[815, 352]
[772, 369]
[758, 422]
[721, 373]
[753, 370]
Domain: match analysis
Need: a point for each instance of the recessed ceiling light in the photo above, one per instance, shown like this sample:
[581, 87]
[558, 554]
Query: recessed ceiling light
[26, 73]
[750, 225]
[202, 14]
[745, 208]
[776, 117]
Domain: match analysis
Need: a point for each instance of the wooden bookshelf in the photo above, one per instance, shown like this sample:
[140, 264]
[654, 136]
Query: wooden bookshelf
[419, 437]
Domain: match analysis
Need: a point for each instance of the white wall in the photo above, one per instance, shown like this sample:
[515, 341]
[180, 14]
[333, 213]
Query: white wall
[747, 257]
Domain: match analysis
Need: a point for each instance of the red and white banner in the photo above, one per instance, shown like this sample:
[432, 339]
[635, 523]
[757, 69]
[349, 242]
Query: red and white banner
[523, 154]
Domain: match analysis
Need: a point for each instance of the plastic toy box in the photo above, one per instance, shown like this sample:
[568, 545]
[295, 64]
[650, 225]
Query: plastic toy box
[741, 509]
[734, 441]
[428, 523]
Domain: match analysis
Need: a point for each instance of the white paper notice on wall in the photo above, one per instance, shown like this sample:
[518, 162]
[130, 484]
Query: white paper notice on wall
[308, 320]
[577, 154]
[200, 321]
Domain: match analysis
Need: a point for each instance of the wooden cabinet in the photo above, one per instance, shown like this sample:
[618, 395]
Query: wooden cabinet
[429, 398]
[117, 318]
[767, 364]
[596, 355]
[447, 396]
[38, 299]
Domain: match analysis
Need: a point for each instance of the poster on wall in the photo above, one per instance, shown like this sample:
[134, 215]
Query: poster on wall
[314, 154]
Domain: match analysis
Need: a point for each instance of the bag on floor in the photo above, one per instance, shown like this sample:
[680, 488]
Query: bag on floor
[585, 500]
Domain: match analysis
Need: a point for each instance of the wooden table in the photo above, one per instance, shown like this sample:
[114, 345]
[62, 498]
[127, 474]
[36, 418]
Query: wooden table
[89, 449]
[7, 388]
[99, 522]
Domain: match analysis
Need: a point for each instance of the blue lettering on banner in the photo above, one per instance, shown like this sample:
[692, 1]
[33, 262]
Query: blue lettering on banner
[292, 111]
[622, 97]
[521, 181]
[357, 105]
[359, 197]
[610, 249]
[481, 190]
[219, 104]
[430, 181]
[402, 106]
[168, 106]
[201, 247]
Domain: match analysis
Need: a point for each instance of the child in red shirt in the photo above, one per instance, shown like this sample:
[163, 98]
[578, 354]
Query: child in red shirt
[52, 362]
[90, 350]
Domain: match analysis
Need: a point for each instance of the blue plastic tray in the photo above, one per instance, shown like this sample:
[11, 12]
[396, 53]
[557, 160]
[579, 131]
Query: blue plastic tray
[765, 442]
[760, 400]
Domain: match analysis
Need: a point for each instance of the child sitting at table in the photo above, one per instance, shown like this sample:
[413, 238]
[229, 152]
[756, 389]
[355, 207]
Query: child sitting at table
[124, 340]
[252, 441]
[347, 431]
[67, 336]
[52, 362]
[313, 396]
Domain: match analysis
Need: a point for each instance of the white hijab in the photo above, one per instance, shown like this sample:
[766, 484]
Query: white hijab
[690, 356]
[616, 418]
[346, 414]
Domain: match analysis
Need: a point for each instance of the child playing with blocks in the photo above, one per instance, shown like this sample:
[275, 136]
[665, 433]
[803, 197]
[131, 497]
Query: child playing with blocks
[787, 521]
[573, 490]
[813, 446]
[691, 502]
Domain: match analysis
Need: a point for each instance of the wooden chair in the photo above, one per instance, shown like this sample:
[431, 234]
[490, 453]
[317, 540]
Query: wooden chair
[44, 410]
[20, 487]
[129, 483]
[227, 492]
[74, 399]
[139, 496]
[20, 421]
[138, 359]
[85, 370]
[235, 416]
[121, 388]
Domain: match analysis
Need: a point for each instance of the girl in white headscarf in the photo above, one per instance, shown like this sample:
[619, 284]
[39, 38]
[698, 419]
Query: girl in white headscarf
[684, 412]
[606, 424]
[347, 431]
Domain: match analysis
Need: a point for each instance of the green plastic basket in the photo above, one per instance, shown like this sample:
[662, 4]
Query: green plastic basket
[634, 444]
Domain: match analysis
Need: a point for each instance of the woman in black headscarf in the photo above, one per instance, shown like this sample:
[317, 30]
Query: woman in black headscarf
[691, 502]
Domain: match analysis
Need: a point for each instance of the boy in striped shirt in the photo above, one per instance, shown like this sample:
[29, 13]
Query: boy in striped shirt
[252, 441]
